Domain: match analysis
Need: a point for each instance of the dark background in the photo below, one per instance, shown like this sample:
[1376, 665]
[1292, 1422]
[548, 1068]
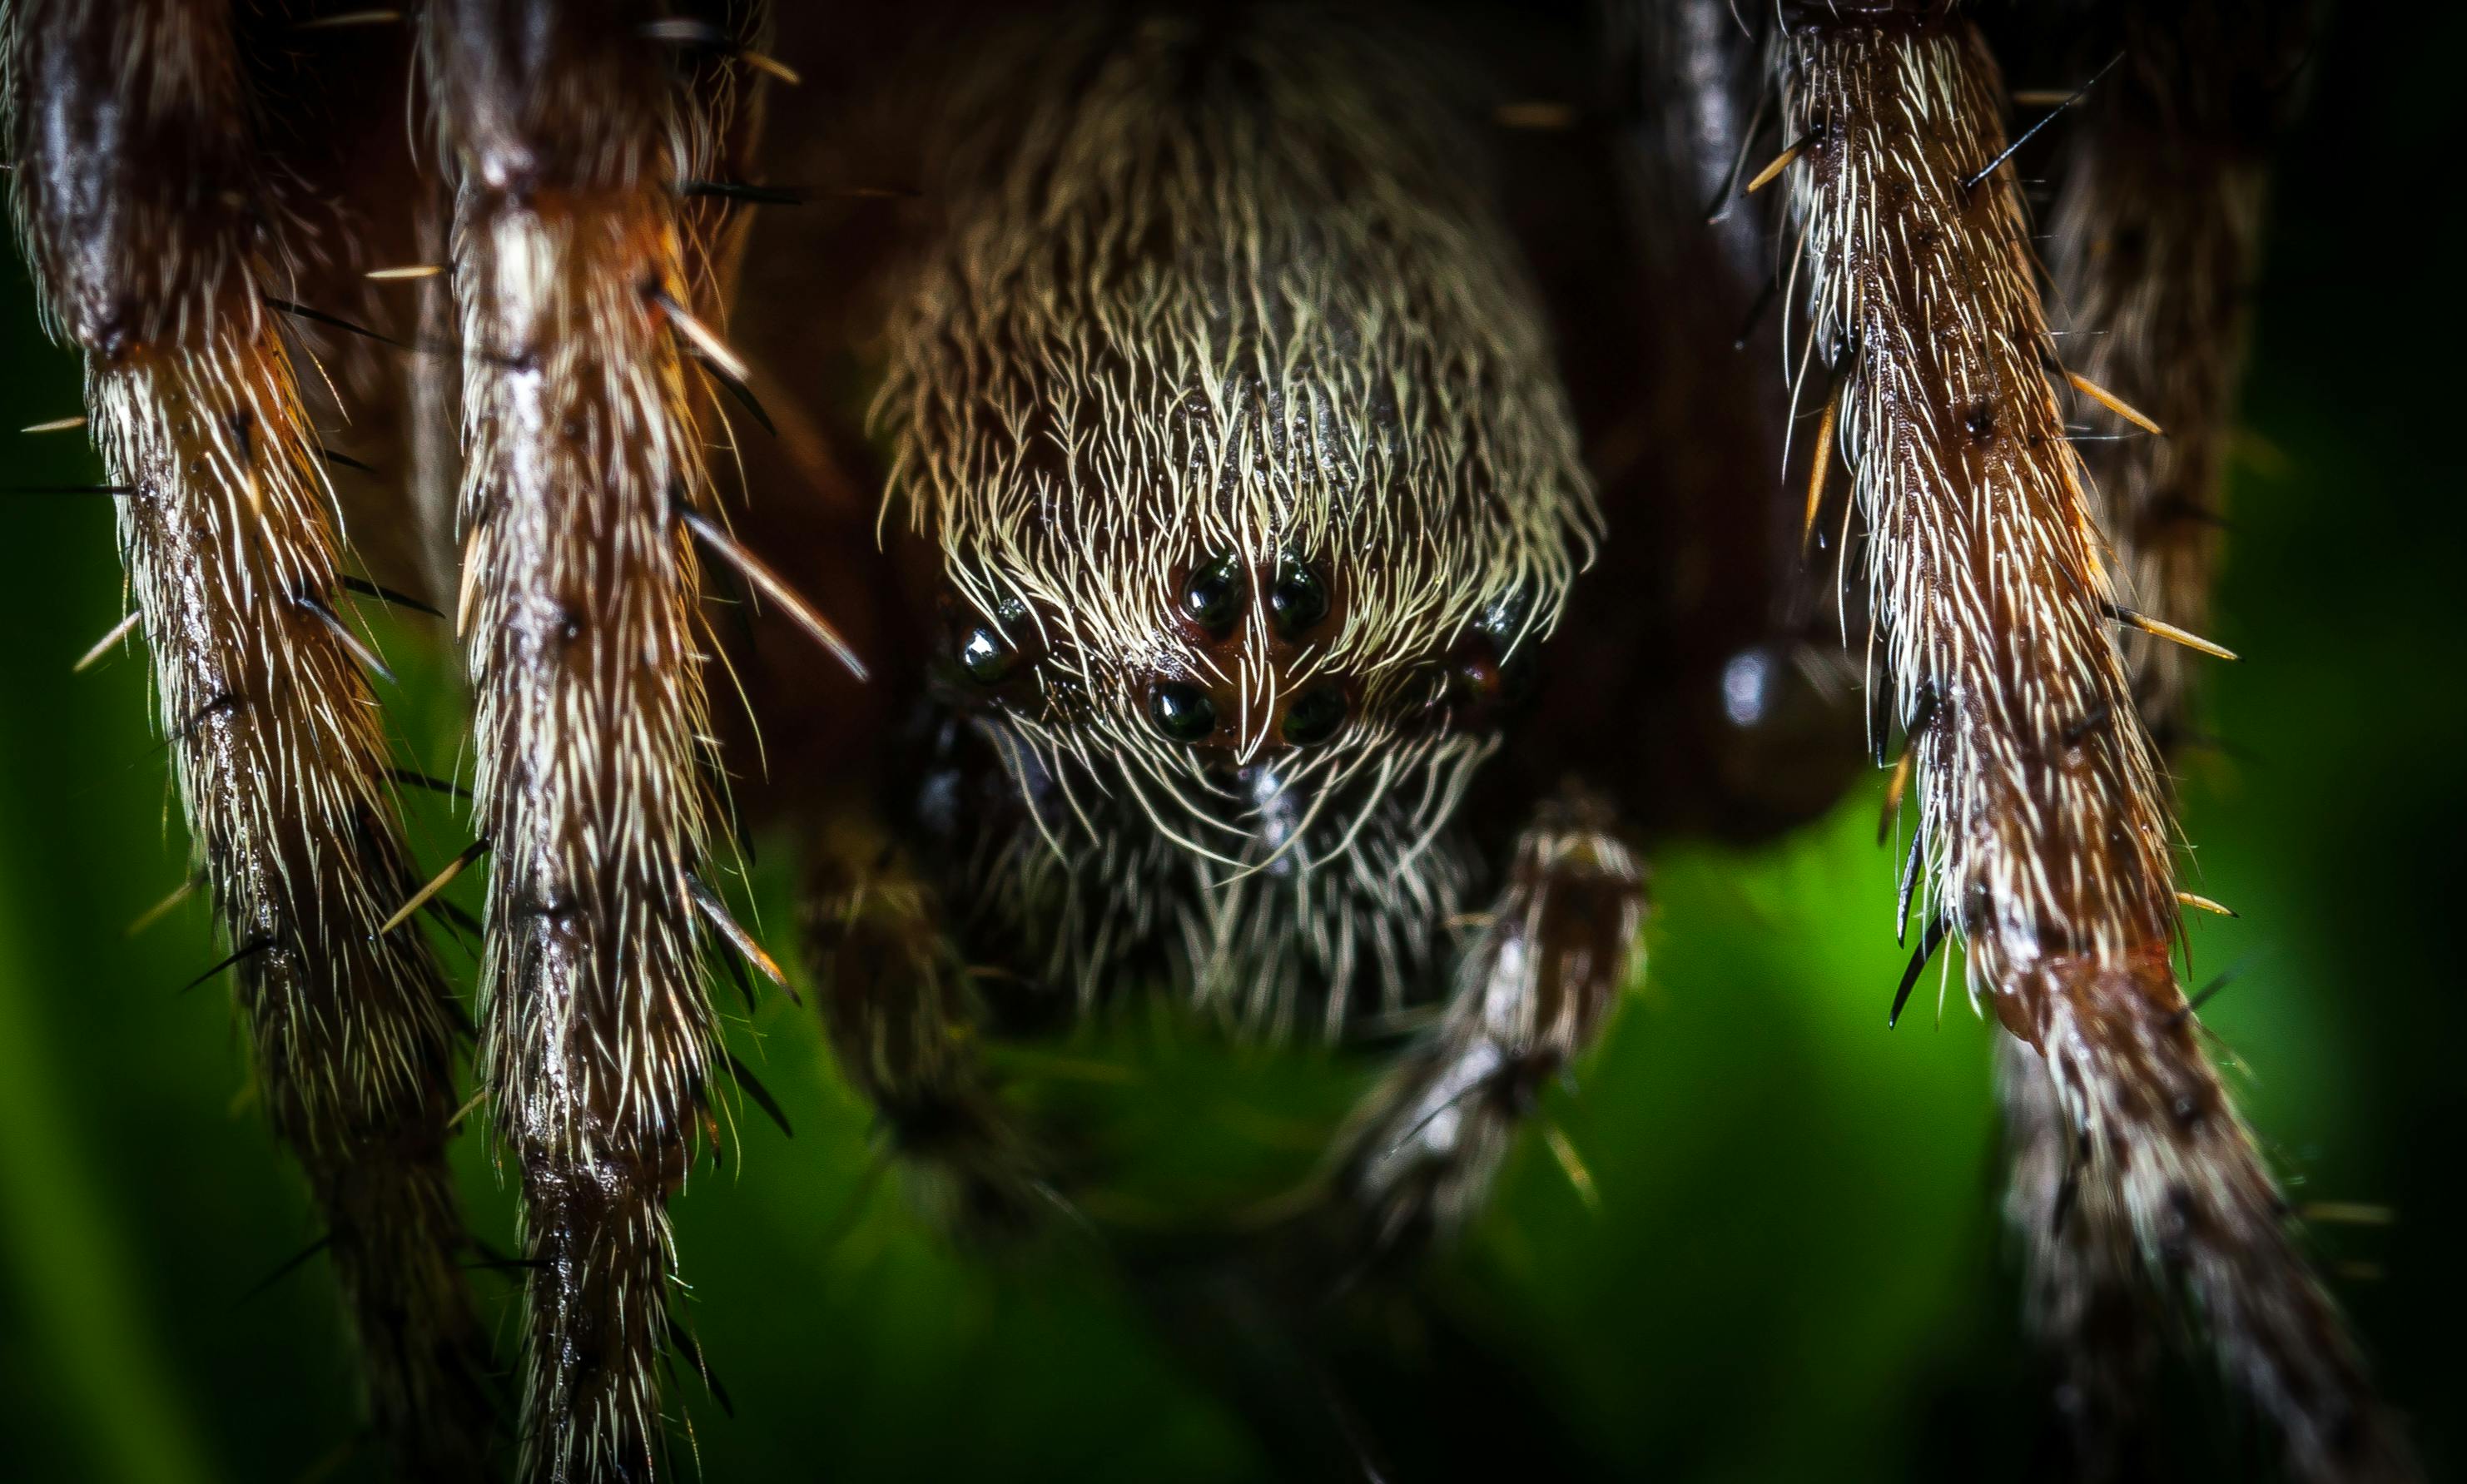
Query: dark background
[1796, 1269]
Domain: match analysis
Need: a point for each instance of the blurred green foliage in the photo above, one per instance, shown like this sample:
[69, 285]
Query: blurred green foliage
[1796, 1269]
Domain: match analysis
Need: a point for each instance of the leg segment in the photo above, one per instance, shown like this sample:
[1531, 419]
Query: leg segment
[568, 129]
[2155, 239]
[153, 233]
[2081, 1291]
[1532, 994]
[2045, 824]
[906, 1025]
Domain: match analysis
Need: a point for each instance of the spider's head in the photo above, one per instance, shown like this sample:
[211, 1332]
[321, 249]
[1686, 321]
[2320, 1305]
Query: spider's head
[1229, 408]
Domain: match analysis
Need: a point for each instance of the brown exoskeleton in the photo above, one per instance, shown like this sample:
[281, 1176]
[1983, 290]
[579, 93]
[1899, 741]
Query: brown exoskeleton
[1257, 394]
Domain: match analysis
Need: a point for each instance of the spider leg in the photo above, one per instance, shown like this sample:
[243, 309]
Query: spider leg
[2081, 1294]
[2046, 828]
[2155, 239]
[156, 234]
[1531, 994]
[583, 289]
[906, 1025]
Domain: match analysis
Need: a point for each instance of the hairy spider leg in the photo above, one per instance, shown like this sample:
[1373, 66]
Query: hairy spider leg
[586, 286]
[157, 236]
[2048, 844]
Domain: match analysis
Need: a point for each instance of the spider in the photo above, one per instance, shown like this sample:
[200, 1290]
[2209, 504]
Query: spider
[1264, 509]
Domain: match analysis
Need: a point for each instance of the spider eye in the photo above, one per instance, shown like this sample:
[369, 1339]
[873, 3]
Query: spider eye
[1183, 712]
[986, 656]
[1214, 595]
[1486, 686]
[1298, 600]
[1315, 716]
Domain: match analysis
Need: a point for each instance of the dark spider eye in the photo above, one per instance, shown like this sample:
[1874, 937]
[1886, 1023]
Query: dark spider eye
[1183, 712]
[1298, 600]
[1214, 595]
[986, 656]
[987, 651]
[1314, 715]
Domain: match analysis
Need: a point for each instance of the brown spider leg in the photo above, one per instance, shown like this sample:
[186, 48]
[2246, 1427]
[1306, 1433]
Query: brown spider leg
[2154, 242]
[1531, 995]
[151, 227]
[581, 293]
[2047, 825]
[2154, 238]
[2082, 1290]
[907, 1024]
